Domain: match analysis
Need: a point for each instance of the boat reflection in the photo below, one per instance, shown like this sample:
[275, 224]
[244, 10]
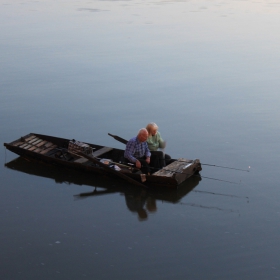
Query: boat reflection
[138, 200]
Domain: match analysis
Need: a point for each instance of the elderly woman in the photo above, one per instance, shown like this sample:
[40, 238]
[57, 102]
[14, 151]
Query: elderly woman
[154, 142]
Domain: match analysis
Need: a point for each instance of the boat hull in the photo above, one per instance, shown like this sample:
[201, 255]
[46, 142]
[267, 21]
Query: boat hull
[54, 150]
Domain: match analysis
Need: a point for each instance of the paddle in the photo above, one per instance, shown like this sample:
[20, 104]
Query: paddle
[118, 138]
[109, 169]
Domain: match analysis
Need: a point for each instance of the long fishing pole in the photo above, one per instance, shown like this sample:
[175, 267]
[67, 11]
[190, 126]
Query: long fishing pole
[220, 166]
[214, 165]
[173, 171]
[131, 165]
[124, 141]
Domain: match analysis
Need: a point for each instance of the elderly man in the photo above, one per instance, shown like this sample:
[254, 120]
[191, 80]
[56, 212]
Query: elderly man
[137, 151]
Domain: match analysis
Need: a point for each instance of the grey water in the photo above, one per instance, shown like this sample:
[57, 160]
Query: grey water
[207, 72]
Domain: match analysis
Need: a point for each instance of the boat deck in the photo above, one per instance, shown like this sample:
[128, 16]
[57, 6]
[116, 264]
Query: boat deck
[99, 158]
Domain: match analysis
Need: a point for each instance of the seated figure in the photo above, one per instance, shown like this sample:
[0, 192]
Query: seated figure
[137, 151]
[155, 141]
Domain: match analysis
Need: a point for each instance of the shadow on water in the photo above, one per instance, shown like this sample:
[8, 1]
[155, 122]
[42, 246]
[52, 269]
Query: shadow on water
[138, 200]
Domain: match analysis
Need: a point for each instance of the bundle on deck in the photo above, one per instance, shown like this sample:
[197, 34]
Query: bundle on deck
[77, 146]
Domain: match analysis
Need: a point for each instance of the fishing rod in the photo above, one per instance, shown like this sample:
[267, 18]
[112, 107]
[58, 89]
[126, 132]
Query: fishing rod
[131, 165]
[124, 141]
[214, 165]
[220, 166]
[173, 171]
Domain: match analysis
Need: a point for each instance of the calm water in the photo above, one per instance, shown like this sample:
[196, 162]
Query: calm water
[207, 72]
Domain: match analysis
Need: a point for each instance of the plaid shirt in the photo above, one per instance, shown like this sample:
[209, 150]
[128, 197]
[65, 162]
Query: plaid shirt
[136, 149]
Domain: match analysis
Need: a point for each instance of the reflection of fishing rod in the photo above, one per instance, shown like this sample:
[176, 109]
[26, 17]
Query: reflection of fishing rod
[124, 141]
[209, 207]
[220, 180]
[222, 194]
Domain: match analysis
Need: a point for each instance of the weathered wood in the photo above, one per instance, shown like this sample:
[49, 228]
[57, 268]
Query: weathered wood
[33, 140]
[18, 143]
[29, 138]
[47, 150]
[101, 151]
[38, 141]
[27, 147]
[48, 144]
[41, 143]
[81, 160]
[24, 145]
[174, 168]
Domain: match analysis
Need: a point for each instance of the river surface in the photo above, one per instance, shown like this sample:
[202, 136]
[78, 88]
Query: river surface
[207, 72]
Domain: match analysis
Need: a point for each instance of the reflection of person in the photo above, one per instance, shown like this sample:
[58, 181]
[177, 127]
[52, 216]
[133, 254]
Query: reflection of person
[137, 151]
[141, 204]
[151, 205]
[155, 142]
[136, 203]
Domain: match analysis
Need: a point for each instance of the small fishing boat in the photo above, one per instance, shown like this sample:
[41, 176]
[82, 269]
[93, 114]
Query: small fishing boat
[100, 159]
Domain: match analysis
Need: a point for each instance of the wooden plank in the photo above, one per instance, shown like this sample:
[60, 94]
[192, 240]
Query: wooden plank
[101, 151]
[41, 143]
[48, 144]
[33, 140]
[22, 146]
[27, 147]
[81, 160]
[18, 143]
[175, 167]
[36, 142]
[47, 150]
[30, 138]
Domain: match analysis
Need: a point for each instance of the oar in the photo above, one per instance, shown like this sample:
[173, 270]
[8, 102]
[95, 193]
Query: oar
[109, 169]
[118, 138]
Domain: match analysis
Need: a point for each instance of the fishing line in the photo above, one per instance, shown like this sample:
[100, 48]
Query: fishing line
[220, 166]
[214, 165]
[209, 207]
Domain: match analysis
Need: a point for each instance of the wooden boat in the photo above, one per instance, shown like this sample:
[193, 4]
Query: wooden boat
[99, 159]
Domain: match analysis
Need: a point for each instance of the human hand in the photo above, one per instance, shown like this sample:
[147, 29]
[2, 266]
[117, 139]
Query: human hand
[138, 164]
[148, 160]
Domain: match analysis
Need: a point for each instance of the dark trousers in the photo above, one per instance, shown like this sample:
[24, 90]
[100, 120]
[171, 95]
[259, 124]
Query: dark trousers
[159, 159]
[145, 167]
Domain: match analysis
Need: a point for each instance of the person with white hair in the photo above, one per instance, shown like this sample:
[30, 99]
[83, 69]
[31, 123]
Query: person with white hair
[156, 142]
[137, 151]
